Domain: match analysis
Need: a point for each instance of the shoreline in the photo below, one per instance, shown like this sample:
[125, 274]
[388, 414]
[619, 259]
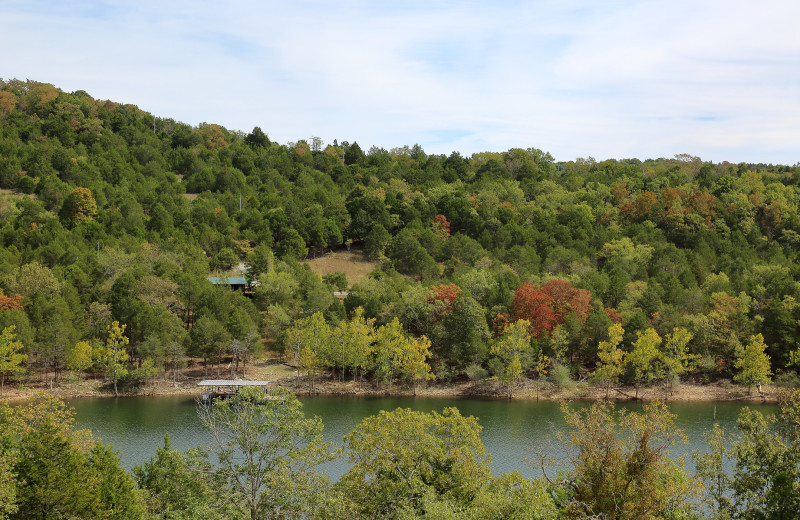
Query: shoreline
[285, 376]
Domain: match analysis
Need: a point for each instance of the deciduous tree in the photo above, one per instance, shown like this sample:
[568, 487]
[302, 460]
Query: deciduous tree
[10, 356]
[643, 356]
[619, 467]
[513, 349]
[113, 356]
[611, 362]
[753, 363]
[399, 457]
[268, 452]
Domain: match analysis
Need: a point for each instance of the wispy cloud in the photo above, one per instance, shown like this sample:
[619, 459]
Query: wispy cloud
[577, 78]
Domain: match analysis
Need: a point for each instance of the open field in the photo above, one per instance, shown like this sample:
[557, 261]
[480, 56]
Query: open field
[351, 263]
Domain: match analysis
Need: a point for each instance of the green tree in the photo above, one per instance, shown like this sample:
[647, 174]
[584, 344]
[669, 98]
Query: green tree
[376, 241]
[61, 473]
[766, 462]
[268, 452]
[210, 339]
[753, 364]
[513, 350]
[507, 497]
[389, 342]
[260, 261]
[79, 206]
[309, 342]
[675, 358]
[619, 467]
[399, 457]
[352, 343]
[612, 358]
[10, 356]
[183, 486]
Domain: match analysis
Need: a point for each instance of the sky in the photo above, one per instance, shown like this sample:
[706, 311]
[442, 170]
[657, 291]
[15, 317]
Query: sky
[604, 79]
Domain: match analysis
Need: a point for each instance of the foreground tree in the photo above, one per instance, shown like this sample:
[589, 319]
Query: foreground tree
[183, 486]
[765, 483]
[619, 466]
[268, 453]
[58, 472]
[399, 457]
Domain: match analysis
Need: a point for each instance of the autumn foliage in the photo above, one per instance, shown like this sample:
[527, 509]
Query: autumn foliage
[8, 303]
[546, 306]
[441, 226]
[447, 293]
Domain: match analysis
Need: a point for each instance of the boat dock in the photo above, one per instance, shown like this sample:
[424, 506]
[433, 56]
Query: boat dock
[224, 388]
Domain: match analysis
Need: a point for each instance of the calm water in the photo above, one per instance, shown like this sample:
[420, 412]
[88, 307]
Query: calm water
[511, 430]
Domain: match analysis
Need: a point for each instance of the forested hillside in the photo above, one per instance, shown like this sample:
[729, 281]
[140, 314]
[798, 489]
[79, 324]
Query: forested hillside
[109, 214]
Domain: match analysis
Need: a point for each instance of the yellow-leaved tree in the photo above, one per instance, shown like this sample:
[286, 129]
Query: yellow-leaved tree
[643, 357]
[675, 358]
[112, 356]
[413, 361]
[513, 350]
[79, 357]
[10, 356]
[753, 364]
[612, 359]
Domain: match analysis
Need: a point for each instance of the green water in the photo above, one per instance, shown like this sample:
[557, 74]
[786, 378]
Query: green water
[512, 431]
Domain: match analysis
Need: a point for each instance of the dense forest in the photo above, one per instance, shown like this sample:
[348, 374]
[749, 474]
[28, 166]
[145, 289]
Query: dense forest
[501, 264]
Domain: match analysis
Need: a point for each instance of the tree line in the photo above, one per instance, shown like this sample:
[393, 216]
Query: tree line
[111, 214]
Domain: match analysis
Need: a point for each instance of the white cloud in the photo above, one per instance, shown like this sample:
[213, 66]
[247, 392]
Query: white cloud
[612, 79]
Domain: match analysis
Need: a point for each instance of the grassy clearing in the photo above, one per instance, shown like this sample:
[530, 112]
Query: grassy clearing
[352, 264]
[13, 194]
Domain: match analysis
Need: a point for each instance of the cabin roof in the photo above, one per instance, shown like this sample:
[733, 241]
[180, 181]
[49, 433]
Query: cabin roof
[227, 280]
[231, 382]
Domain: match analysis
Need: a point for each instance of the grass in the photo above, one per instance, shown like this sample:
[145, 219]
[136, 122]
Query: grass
[352, 264]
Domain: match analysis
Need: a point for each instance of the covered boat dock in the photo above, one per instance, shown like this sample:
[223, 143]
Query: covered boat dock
[224, 388]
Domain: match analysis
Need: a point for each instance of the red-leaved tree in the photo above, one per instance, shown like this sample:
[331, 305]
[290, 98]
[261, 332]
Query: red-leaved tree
[447, 293]
[546, 306]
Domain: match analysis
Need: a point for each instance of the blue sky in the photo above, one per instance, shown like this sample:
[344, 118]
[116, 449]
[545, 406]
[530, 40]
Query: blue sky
[612, 79]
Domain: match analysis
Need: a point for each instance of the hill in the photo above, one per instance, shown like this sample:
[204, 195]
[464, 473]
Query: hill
[109, 213]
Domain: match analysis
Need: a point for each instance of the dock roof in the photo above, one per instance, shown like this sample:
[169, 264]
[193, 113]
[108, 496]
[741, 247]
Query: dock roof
[231, 382]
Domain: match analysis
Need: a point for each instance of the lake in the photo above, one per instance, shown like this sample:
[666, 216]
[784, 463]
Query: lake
[512, 430]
